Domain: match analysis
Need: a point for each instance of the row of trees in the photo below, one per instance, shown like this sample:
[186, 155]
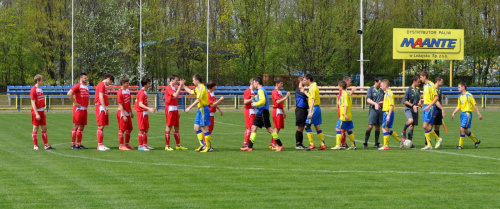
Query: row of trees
[247, 38]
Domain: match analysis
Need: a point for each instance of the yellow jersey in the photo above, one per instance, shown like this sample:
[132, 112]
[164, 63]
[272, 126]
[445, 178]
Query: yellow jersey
[345, 101]
[388, 101]
[466, 102]
[201, 94]
[314, 94]
[430, 92]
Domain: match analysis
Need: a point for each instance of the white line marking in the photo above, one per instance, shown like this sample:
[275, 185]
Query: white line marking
[274, 169]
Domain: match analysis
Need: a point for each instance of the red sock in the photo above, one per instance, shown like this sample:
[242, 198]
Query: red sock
[120, 138]
[45, 139]
[73, 137]
[145, 139]
[343, 137]
[247, 137]
[139, 137]
[35, 139]
[167, 138]
[100, 136]
[79, 136]
[177, 137]
[273, 142]
[127, 137]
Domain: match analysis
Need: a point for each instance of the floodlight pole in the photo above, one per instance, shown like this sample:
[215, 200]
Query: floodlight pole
[72, 40]
[361, 76]
[140, 41]
[208, 33]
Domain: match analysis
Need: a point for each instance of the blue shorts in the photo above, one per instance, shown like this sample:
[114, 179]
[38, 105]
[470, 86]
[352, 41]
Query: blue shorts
[465, 119]
[339, 123]
[346, 125]
[202, 116]
[316, 116]
[391, 121]
[428, 116]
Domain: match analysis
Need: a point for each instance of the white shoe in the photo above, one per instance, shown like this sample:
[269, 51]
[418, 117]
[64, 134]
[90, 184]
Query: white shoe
[150, 148]
[427, 148]
[102, 148]
[36, 147]
[438, 144]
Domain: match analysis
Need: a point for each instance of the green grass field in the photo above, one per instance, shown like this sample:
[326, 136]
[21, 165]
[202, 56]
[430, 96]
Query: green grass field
[229, 178]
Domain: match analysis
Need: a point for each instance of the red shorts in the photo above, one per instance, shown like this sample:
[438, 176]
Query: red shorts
[142, 120]
[41, 122]
[248, 119]
[211, 126]
[101, 117]
[122, 125]
[79, 117]
[172, 117]
[278, 120]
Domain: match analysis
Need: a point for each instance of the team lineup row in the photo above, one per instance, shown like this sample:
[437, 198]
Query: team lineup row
[257, 113]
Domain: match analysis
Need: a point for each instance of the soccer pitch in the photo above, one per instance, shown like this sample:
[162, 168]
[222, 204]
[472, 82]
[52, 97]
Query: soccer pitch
[229, 178]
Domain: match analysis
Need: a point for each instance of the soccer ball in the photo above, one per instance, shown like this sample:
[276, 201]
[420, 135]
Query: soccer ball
[407, 144]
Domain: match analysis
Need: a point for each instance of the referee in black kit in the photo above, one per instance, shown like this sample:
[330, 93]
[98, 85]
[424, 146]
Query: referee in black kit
[374, 97]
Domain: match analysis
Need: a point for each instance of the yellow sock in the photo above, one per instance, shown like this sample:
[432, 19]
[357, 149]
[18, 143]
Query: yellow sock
[351, 138]
[208, 140]
[386, 140]
[252, 137]
[434, 135]
[321, 137]
[428, 139]
[461, 141]
[471, 136]
[339, 139]
[199, 134]
[395, 136]
[310, 137]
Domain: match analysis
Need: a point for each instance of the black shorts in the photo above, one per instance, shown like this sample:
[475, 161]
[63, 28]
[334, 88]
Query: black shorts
[300, 116]
[262, 119]
[438, 117]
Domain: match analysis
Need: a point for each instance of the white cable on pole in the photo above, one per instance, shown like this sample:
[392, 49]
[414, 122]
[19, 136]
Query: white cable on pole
[208, 33]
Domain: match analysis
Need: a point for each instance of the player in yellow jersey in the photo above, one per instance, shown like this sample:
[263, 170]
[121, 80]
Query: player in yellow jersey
[467, 104]
[430, 99]
[388, 109]
[314, 116]
[202, 120]
[346, 124]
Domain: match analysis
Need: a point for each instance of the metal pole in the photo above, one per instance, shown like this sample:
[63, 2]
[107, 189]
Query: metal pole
[361, 76]
[451, 73]
[208, 32]
[404, 72]
[140, 41]
[72, 40]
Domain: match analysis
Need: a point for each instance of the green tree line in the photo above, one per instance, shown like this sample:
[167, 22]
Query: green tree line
[247, 38]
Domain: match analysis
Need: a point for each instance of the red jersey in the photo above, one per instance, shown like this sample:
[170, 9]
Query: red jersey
[211, 100]
[81, 94]
[169, 98]
[37, 95]
[124, 98]
[248, 95]
[276, 96]
[338, 103]
[142, 96]
[101, 88]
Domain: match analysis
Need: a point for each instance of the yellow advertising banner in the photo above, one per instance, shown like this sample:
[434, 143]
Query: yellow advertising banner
[428, 44]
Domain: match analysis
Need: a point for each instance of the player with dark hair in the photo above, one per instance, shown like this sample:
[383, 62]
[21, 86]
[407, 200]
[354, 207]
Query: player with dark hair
[172, 113]
[124, 115]
[300, 113]
[467, 104]
[430, 99]
[202, 120]
[314, 115]
[440, 112]
[142, 108]
[278, 114]
[101, 109]
[38, 118]
[249, 113]
[213, 106]
[374, 97]
[79, 95]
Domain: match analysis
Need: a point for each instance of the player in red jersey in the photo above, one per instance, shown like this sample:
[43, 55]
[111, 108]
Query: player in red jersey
[348, 81]
[142, 108]
[172, 113]
[213, 105]
[38, 113]
[124, 115]
[279, 114]
[101, 109]
[79, 95]
[249, 113]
